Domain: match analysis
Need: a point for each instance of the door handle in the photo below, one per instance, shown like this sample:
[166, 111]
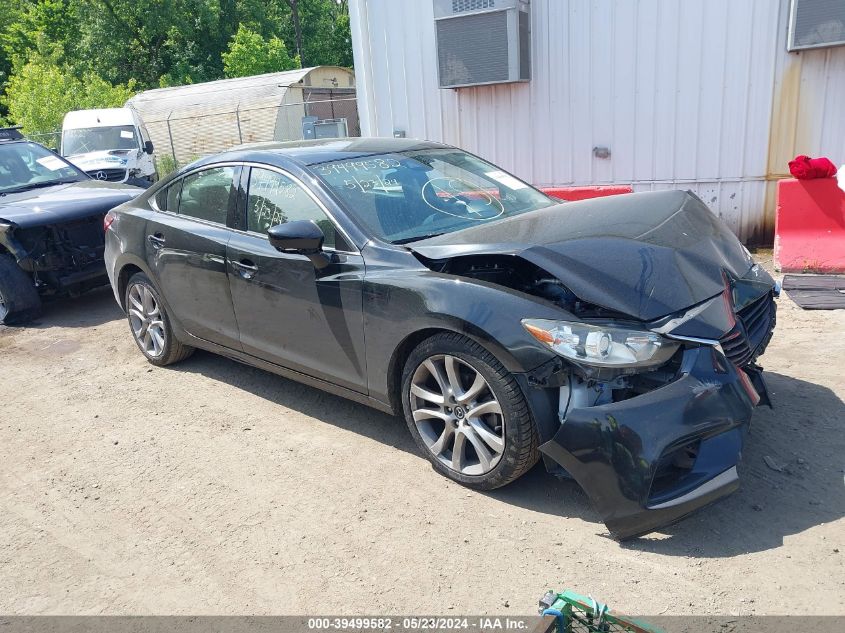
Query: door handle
[156, 240]
[245, 268]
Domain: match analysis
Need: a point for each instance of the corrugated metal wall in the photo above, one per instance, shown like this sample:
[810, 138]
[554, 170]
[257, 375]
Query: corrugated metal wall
[681, 91]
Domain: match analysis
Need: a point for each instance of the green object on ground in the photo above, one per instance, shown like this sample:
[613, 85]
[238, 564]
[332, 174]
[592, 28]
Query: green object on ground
[578, 614]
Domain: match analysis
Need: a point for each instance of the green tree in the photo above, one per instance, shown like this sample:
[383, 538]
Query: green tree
[42, 91]
[319, 30]
[168, 42]
[251, 54]
[37, 22]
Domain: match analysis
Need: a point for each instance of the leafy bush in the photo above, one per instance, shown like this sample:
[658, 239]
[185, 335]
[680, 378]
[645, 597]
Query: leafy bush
[165, 164]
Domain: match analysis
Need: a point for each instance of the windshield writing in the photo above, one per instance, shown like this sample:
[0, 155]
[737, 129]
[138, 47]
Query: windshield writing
[407, 196]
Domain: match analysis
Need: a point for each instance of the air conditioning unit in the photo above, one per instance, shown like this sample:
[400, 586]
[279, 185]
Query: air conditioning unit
[312, 128]
[482, 42]
[816, 24]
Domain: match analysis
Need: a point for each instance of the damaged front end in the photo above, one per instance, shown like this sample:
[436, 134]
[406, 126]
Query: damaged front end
[663, 315]
[63, 257]
[652, 445]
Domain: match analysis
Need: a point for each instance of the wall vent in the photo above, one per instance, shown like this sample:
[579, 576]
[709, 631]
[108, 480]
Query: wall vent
[459, 6]
[482, 42]
[816, 24]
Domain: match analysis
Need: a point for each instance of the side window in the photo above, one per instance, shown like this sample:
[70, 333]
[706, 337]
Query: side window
[208, 194]
[168, 198]
[276, 199]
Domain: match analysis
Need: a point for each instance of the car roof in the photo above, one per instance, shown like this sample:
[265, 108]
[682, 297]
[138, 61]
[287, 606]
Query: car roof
[9, 134]
[322, 150]
[102, 117]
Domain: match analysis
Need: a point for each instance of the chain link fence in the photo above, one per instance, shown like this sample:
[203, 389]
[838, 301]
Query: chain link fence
[48, 139]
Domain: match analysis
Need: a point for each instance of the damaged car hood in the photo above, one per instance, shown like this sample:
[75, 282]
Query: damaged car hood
[63, 202]
[644, 254]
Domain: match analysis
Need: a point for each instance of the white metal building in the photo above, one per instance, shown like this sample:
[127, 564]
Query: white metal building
[698, 94]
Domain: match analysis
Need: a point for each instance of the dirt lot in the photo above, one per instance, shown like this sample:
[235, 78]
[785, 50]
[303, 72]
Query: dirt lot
[213, 488]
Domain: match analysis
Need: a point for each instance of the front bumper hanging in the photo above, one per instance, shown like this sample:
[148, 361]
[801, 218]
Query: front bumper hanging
[624, 454]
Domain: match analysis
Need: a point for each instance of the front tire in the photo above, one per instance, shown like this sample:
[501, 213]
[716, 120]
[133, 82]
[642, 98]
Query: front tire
[150, 325]
[467, 414]
[19, 300]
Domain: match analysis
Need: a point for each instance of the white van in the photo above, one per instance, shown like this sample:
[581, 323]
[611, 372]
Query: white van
[109, 144]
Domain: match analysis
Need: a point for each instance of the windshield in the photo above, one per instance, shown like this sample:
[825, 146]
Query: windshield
[26, 165]
[98, 139]
[412, 195]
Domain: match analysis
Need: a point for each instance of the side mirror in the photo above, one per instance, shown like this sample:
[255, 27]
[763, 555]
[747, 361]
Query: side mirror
[148, 147]
[300, 236]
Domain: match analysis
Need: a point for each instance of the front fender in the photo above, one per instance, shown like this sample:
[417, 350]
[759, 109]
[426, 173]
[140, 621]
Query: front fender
[397, 307]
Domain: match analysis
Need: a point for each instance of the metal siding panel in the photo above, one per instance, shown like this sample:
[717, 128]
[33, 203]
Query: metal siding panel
[580, 91]
[833, 137]
[736, 73]
[523, 155]
[809, 124]
[560, 87]
[664, 115]
[415, 104]
[767, 45]
[626, 54]
[545, 55]
[395, 39]
[646, 88]
[687, 121]
[600, 87]
[380, 54]
[711, 90]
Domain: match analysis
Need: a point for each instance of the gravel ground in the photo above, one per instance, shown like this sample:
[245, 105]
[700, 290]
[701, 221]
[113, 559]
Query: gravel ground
[214, 488]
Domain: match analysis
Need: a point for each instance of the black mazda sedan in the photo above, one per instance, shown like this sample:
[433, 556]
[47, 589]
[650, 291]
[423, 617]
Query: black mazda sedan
[614, 338]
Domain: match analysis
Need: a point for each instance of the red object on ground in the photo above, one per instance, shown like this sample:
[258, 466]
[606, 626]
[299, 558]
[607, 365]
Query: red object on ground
[583, 193]
[806, 168]
[810, 226]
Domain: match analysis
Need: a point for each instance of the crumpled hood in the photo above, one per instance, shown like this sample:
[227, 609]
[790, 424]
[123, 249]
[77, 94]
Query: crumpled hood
[63, 203]
[644, 254]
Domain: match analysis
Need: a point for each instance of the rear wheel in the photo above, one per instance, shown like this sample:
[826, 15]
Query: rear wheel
[150, 324]
[19, 300]
[467, 413]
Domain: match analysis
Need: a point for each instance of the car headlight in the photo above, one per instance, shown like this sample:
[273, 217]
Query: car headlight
[602, 345]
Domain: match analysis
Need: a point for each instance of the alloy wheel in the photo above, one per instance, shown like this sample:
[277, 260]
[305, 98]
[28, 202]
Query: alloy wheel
[146, 320]
[457, 415]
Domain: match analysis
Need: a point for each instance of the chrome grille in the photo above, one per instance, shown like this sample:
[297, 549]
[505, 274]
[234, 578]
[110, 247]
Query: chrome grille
[749, 337]
[108, 175]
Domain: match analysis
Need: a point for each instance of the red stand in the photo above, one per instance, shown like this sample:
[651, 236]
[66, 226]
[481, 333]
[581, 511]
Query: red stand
[810, 226]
